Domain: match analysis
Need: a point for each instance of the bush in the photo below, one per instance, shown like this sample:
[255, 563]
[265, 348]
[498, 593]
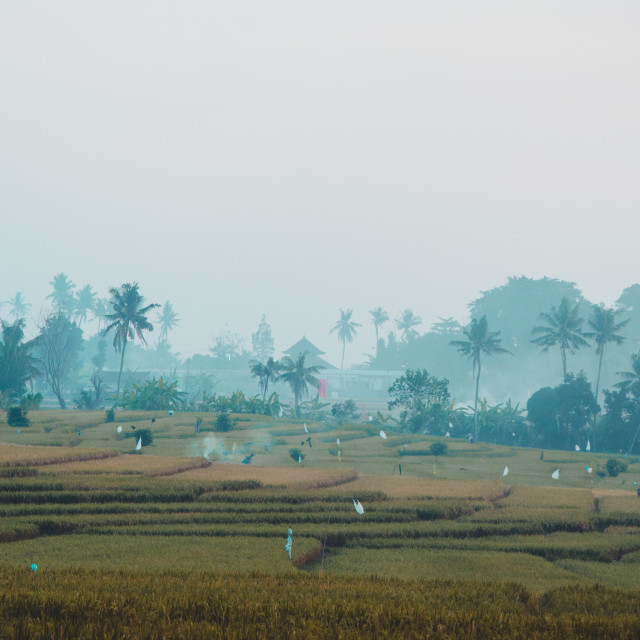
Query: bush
[31, 401]
[110, 415]
[615, 467]
[17, 416]
[438, 449]
[145, 434]
[296, 455]
[223, 422]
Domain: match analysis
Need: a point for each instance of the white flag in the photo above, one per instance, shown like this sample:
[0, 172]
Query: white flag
[556, 474]
[506, 471]
[305, 428]
[139, 445]
[358, 507]
[383, 435]
[577, 448]
[588, 445]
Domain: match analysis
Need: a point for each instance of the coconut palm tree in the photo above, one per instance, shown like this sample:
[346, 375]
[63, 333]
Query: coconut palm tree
[84, 302]
[379, 317]
[299, 377]
[100, 310]
[20, 306]
[128, 319]
[168, 320]
[266, 373]
[62, 294]
[406, 323]
[479, 341]
[563, 327]
[631, 379]
[346, 329]
[605, 327]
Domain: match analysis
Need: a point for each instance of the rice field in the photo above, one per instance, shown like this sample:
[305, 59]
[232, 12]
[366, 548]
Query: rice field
[94, 510]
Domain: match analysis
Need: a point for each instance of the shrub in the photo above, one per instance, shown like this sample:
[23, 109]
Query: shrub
[296, 455]
[438, 449]
[223, 422]
[17, 416]
[615, 467]
[31, 401]
[110, 415]
[145, 434]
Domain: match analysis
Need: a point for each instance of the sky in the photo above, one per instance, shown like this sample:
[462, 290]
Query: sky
[294, 158]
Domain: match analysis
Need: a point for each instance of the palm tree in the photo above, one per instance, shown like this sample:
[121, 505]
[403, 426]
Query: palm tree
[85, 301]
[406, 323]
[62, 294]
[100, 310]
[168, 320]
[479, 340]
[346, 329]
[631, 379]
[605, 328]
[128, 318]
[563, 328]
[380, 316]
[266, 373]
[20, 306]
[298, 377]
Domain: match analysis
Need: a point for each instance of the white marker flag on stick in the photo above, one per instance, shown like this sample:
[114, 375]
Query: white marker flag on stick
[358, 507]
[383, 435]
[588, 445]
[505, 472]
[556, 474]
[139, 445]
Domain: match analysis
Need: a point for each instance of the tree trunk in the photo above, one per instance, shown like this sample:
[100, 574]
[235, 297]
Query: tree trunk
[475, 405]
[564, 363]
[124, 346]
[599, 370]
[61, 402]
[344, 344]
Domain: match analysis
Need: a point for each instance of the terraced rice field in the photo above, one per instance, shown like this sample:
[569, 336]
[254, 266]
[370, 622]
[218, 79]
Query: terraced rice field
[96, 509]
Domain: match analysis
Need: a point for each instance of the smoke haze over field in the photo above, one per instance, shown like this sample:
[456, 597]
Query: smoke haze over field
[290, 158]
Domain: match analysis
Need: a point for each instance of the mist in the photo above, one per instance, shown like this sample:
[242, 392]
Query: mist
[240, 160]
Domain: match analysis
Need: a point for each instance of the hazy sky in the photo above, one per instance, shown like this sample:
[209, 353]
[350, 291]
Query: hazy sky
[291, 158]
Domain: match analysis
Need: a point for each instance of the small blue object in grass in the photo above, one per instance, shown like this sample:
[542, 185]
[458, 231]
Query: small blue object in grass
[247, 460]
[18, 430]
[34, 567]
[79, 432]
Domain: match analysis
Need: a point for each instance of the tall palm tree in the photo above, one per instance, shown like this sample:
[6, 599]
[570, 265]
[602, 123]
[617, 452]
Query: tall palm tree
[299, 377]
[62, 294]
[379, 317]
[20, 306]
[406, 323]
[168, 320]
[128, 318]
[84, 302]
[479, 340]
[605, 327]
[563, 327]
[266, 373]
[346, 329]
